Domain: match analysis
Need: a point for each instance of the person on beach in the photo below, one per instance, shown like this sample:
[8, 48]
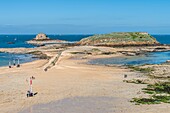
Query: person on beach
[30, 91]
[31, 85]
[14, 62]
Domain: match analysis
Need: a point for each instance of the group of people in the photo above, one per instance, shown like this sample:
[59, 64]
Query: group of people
[14, 64]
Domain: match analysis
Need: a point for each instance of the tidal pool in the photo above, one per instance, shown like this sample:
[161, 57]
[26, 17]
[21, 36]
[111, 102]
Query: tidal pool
[149, 58]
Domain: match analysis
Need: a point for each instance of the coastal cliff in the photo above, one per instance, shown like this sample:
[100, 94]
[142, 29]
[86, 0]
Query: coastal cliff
[120, 39]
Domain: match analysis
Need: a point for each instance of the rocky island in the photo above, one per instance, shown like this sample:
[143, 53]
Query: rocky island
[120, 39]
[42, 39]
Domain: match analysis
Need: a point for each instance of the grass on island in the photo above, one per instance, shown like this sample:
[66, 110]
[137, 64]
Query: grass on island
[119, 38]
[126, 36]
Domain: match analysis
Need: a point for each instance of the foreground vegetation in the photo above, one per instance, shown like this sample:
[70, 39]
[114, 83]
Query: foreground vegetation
[142, 70]
[159, 92]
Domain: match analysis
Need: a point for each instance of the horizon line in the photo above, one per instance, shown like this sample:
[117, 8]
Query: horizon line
[71, 33]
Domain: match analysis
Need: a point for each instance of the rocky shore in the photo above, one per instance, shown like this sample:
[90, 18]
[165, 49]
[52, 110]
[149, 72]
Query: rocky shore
[54, 48]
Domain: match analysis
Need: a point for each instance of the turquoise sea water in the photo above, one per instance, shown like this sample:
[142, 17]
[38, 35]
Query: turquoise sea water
[20, 41]
[150, 58]
[5, 58]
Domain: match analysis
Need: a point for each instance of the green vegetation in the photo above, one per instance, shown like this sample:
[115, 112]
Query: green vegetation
[142, 70]
[149, 92]
[139, 101]
[160, 93]
[153, 100]
[119, 38]
[164, 99]
[159, 88]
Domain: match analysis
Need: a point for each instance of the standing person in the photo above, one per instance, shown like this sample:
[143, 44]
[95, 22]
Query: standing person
[14, 62]
[31, 92]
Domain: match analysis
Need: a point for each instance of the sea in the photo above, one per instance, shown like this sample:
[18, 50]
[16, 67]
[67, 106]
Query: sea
[149, 58]
[20, 41]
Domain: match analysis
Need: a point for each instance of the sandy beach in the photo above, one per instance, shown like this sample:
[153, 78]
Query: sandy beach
[72, 86]
[85, 56]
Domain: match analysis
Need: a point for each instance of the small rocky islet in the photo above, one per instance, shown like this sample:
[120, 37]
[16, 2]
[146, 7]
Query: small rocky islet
[42, 39]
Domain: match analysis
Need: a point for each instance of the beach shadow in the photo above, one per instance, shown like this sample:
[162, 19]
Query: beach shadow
[31, 94]
[77, 105]
[35, 93]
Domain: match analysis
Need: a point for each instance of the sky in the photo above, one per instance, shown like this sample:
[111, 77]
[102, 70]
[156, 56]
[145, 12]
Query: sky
[84, 16]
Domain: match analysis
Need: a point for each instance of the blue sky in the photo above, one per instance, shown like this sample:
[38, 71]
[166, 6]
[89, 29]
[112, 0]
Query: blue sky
[84, 16]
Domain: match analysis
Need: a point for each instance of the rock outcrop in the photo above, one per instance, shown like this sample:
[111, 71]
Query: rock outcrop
[41, 37]
[120, 39]
[42, 40]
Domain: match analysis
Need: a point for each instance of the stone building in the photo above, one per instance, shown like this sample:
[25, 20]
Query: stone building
[41, 37]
